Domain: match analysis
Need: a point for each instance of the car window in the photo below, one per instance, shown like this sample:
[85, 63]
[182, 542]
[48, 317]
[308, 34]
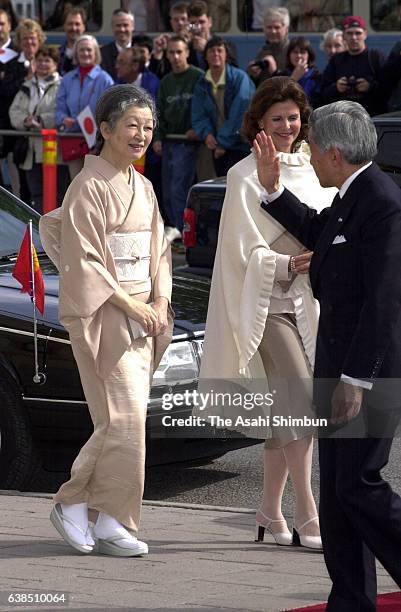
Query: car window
[389, 148]
[154, 16]
[385, 15]
[305, 15]
[50, 14]
[14, 217]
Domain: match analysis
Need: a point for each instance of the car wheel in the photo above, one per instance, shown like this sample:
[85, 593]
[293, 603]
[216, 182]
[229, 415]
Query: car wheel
[18, 457]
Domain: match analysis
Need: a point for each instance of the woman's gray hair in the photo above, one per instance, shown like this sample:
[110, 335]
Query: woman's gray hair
[330, 36]
[346, 126]
[113, 103]
[92, 39]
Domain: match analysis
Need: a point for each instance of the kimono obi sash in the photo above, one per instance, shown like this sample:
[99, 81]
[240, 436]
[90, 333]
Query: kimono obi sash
[131, 254]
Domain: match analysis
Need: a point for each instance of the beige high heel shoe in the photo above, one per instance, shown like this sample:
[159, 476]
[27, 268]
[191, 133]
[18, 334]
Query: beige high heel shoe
[281, 538]
[307, 541]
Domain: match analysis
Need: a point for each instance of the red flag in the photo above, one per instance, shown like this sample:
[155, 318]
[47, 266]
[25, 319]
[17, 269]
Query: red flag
[23, 272]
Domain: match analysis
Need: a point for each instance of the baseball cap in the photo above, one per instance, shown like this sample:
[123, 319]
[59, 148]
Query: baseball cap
[354, 21]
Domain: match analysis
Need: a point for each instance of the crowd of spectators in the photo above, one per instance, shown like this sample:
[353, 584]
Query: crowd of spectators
[201, 91]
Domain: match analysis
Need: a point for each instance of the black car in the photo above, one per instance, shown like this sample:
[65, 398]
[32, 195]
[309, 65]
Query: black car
[388, 129]
[43, 426]
[205, 200]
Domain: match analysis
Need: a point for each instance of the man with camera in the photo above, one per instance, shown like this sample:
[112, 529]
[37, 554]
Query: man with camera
[194, 22]
[272, 56]
[354, 74]
[200, 27]
[159, 63]
[196, 32]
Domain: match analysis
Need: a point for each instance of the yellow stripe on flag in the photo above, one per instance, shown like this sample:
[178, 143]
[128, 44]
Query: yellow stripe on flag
[35, 260]
[139, 164]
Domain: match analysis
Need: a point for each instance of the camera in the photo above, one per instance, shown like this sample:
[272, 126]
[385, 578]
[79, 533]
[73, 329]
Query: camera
[195, 28]
[351, 91]
[262, 64]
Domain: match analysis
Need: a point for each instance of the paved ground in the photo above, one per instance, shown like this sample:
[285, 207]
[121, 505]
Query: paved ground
[201, 558]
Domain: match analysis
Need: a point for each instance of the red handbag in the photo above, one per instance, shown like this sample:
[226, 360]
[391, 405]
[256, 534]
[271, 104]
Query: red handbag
[73, 148]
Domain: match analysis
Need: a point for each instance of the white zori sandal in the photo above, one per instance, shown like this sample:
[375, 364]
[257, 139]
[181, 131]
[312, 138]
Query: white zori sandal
[113, 539]
[73, 533]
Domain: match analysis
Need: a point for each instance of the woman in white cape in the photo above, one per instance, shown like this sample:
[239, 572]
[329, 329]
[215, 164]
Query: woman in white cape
[262, 319]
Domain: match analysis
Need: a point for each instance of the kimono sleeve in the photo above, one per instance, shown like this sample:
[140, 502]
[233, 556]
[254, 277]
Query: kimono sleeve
[86, 263]
[162, 281]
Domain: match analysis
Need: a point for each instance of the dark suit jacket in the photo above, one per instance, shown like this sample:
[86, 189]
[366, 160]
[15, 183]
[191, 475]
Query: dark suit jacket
[65, 63]
[357, 281]
[109, 54]
[12, 75]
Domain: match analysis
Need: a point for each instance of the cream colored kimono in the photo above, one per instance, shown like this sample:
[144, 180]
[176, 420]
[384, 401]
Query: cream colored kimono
[244, 286]
[99, 207]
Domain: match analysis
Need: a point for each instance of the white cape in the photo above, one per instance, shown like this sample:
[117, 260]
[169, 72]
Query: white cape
[244, 281]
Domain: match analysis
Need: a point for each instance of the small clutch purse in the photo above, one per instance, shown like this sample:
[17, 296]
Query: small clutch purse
[161, 341]
[135, 329]
[287, 244]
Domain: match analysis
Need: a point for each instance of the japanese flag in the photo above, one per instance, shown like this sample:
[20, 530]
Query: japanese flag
[87, 124]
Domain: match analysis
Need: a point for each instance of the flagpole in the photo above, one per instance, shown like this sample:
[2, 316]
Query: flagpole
[39, 377]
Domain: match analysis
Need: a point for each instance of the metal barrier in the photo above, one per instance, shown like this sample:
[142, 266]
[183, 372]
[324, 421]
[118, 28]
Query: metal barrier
[49, 158]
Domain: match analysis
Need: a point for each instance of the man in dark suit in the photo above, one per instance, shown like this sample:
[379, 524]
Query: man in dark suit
[123, 26]
[5, 31]
[354, 273]
[7, 53]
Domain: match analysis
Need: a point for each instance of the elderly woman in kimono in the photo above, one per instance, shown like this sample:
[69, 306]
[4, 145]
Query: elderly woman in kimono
[108, 243]
[262, 319]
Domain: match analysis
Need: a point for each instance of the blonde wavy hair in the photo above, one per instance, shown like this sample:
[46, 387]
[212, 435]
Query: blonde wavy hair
[29, 26]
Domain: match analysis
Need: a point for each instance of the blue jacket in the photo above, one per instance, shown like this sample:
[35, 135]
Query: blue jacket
[71, 99]
[310, 83]
[149, 83]
[238, 93]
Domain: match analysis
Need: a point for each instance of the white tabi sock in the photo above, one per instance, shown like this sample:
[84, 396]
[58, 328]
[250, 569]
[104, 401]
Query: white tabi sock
[79, 514]
[107, 527]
